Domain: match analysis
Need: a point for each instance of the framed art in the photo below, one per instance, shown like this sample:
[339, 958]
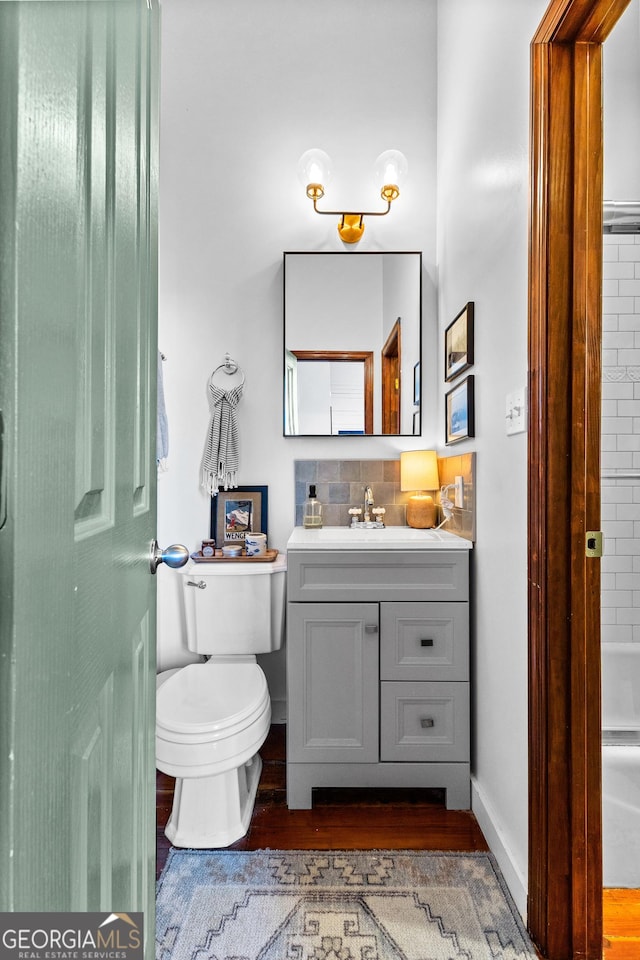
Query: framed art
[459, 412]
[417, 427]
[416, 384]
[458, 343]
[238, 511]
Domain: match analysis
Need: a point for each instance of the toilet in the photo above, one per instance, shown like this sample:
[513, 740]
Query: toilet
[213, 717]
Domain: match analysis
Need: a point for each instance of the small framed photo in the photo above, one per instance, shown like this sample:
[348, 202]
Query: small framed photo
[416, 384]
[417, 426]
[238, 511]
[459, 412]
[458, 343]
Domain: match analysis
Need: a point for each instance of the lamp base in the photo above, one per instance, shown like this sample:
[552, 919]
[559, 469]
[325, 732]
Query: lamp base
[421, 511]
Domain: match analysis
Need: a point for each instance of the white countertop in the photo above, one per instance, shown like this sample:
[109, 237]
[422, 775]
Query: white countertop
[388, 538]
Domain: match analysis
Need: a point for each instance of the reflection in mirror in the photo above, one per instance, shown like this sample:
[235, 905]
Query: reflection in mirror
[352, 338]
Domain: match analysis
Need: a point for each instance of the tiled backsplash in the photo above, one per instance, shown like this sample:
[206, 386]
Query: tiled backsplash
[463, 521]
[620, 490]
[340, 484]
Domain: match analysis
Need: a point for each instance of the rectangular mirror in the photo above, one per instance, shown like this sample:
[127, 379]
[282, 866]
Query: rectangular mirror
[352, 344]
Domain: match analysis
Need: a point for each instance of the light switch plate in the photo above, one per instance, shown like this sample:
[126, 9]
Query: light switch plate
[516, 412]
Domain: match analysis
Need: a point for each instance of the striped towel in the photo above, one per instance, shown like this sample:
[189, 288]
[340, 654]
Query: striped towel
[220, 459]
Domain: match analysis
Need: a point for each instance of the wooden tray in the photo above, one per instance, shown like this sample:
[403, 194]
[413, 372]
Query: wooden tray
[267, 557]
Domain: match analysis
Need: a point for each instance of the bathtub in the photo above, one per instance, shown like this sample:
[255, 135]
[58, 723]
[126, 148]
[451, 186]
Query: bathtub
[621, 815]
[621, 764]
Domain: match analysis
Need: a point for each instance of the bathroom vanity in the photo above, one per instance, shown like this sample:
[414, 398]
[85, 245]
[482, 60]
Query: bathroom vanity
[377, 661]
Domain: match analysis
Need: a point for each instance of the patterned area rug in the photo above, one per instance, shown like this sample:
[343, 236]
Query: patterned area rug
[336, 905]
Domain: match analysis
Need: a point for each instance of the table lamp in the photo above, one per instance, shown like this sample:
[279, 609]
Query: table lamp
[419, 472]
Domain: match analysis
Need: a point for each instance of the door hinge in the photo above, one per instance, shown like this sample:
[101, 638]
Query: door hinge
[593, 543]
[397, 383]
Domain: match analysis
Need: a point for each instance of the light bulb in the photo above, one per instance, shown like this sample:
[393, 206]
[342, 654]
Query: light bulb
[315, 171]
[391, 169]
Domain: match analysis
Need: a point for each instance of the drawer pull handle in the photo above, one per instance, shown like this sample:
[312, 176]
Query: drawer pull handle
[426, 641]
[371, 628]
[427, 722]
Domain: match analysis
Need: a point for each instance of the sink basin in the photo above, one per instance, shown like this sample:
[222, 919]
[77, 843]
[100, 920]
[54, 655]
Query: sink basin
[388, 538]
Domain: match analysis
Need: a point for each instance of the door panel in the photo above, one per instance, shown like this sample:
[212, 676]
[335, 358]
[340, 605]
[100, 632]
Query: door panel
[78, 89]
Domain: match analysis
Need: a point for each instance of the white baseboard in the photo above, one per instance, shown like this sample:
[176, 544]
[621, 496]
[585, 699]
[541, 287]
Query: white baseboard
[278, 711]
[513, 876]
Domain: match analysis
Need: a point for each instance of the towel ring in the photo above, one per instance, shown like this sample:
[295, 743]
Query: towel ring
[230, 367]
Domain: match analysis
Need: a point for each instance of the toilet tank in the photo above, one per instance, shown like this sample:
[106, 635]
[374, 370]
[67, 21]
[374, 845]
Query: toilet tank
[234, 607]
[621, 686]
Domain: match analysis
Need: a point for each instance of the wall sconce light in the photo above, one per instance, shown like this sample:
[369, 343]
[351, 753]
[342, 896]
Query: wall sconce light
[314, 170]
[419, 472]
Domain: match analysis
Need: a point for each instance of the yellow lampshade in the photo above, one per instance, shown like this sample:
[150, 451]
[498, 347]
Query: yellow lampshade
[419, 472]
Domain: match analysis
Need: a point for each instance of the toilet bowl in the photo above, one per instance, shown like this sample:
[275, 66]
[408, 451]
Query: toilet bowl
[213, 717]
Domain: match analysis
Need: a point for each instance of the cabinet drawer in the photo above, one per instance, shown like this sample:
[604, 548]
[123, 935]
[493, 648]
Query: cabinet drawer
[424, 722]
[376, 575]
[424, 641]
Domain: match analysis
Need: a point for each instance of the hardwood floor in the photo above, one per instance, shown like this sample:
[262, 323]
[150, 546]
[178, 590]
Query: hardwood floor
[340, 819]
[377, 819]
[621, 909]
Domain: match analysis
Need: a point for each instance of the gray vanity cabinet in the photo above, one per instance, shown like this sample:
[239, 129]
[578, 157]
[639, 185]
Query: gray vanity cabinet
[378, 671]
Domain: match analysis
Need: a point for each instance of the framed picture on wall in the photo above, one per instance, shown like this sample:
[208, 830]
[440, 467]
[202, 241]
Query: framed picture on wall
[459, 412]
[416, 384]
[238, 511]
[458, 343]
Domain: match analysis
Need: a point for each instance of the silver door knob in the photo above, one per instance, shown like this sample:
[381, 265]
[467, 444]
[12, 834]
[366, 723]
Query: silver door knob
[174, 556]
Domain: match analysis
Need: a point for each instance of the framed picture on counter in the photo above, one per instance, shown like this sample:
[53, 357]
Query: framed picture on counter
[235, 512]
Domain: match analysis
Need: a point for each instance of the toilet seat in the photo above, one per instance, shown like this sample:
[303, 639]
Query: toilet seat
[202, 702]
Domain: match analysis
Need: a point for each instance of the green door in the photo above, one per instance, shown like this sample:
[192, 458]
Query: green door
[78, 355]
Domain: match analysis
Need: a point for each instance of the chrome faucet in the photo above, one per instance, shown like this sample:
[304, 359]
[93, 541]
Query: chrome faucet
[368, 503]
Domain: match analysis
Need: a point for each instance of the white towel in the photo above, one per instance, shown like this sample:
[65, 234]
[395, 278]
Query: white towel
[162, 434]
[221, 452]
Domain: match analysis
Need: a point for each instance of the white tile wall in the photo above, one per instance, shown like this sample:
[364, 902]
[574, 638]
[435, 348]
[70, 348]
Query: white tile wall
[620, 599]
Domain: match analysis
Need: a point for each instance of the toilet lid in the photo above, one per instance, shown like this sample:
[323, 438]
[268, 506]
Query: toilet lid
[210, 696]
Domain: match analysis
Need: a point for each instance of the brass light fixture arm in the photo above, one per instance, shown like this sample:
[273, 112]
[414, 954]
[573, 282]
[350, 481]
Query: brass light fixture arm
[351, 213]
[351, 226]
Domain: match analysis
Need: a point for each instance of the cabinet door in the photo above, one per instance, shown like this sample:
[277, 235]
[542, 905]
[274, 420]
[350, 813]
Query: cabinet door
[332, 670]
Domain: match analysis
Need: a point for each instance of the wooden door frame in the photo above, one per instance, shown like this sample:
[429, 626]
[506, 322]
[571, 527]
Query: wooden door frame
[350, 356]
[391, 351]
[565, 287]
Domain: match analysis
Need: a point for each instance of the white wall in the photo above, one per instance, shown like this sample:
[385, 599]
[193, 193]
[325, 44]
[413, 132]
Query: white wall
[621, 66]
[247, 87]
[401, 302]
[483, 127]
[334, 303]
